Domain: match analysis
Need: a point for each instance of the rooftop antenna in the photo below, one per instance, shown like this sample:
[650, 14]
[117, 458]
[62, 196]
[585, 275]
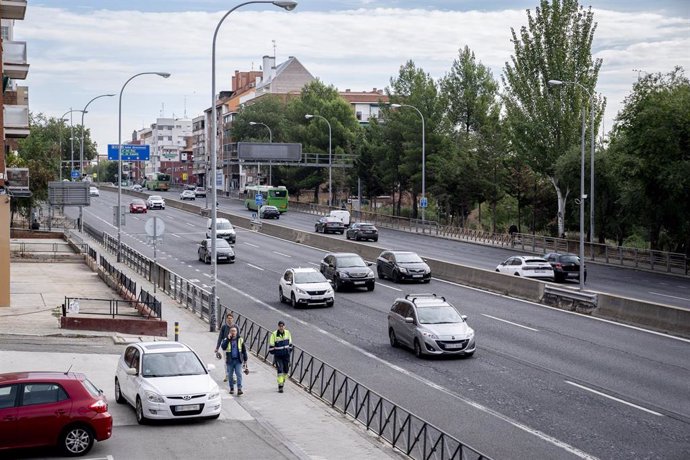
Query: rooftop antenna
[70, 366]
[185, 106]
[162, 109]
[274, 50]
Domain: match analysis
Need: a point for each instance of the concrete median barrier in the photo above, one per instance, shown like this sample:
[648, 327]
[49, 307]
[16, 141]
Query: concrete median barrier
[656, 316]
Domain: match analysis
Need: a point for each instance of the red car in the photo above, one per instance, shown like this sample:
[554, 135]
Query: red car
[137, 206]
[61, 409]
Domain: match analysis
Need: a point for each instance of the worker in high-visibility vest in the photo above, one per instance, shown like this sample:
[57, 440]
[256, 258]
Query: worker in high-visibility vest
[280, 346]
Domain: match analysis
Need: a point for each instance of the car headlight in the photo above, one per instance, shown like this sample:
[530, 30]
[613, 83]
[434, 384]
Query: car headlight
[370, 274]
[344, 275]
[429, 335]
[301, 291]
[402, 269]
[154, 397]
[470, 334]
[214, 394]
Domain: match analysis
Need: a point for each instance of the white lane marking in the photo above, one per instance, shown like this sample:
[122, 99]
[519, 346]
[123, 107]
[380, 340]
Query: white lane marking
[510, 322]
[671, 296]
[281, 254]
[176, 235]
[254, 266]
[190, 224]
[585, 317]
[207, 275]
[194, 281]
[613, 398]
[314, 264]
[252, 245]
[389, 287]
[515, 423]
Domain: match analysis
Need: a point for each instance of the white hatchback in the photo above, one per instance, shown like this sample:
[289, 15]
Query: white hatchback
[527, 266]
[304, 287]
[166, 380]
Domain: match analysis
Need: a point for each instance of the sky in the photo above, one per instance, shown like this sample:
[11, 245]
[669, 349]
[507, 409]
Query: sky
[79, 49]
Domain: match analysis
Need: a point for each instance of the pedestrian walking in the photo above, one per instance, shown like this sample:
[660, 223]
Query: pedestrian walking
[280, 346]
[235, 358]
[223, 333]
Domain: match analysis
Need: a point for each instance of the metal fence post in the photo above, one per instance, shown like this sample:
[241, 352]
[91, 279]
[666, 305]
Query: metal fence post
[177, 331]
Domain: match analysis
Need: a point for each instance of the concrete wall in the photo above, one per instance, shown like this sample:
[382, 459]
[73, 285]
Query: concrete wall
[659, 317]
[124, 325]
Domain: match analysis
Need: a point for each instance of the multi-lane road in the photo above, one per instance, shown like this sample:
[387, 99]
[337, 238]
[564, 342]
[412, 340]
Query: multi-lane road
[544, 383]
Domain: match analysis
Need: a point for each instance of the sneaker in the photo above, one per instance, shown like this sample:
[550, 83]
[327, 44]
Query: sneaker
[231, 391]
[239, 392]
[225, 379]
[280, 388]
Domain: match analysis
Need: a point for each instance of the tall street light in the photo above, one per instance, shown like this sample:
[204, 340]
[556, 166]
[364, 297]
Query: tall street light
[71, 127]
[330, 158]
[81, 148]
[270, 141]
[119, 159]
[423, 200]
[286, 5]
[583, 196]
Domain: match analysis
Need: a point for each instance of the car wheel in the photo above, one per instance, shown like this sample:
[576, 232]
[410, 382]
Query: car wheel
[347, 236]
[393, 338]
[316, 228]
[77, 440]
[516, 274]
[427, 281]
[375, 240]
[139, 409]
[380, 273]
[280, 295]
[118, 392]
[208, 260]
[371, 287]
[278, 217]
[417, 349]
[330, 304]
[342, 232]
[337, 285]
[293, 301]
[357, 238]
[396, 276]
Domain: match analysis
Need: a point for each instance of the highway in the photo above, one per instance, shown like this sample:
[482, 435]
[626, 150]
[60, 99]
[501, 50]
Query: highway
[544, 383]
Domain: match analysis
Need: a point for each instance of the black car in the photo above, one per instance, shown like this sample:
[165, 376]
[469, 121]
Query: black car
[269, 212]
[362, 231]
[345, 269]
[565, 266]
[224, 252]
[328, 224]
[401, 266]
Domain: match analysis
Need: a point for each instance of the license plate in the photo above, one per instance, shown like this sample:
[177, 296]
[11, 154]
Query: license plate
[222, 257]
[359, 282]
[454, 345]
[416, 276]
[189, 408]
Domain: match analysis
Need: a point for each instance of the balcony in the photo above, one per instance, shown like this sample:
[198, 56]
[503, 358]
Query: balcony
[16, 121]
[12, 9]
[14, 60]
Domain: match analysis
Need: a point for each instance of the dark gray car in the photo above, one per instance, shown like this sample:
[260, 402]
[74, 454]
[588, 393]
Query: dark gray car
[345, 269]
[224, 252]
[402, 265]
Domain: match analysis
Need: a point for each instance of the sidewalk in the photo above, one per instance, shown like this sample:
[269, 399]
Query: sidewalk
[306, 427]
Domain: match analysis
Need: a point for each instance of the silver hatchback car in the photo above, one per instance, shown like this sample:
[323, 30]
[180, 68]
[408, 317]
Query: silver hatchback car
[430, 326]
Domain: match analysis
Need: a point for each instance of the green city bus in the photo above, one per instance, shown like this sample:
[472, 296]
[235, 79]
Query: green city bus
[274, 196]
[157, 181]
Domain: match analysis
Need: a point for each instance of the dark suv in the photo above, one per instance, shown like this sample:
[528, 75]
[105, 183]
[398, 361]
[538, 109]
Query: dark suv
[347, 269]
[565, 266]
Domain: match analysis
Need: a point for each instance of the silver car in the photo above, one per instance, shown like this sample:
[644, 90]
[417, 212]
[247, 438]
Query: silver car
[429, 325]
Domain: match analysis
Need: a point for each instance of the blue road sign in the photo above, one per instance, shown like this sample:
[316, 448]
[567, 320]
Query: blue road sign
[259, 199]
[422, 202]
[129, 152]
[75, 174]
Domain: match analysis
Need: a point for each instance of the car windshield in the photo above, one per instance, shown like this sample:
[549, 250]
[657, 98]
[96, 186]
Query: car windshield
[350, 261]
[269, 208]
[223, 225]
[139, 202]
[408, 258]
[438, 315]
[155, 197]
[171, 364]
[309, 277]
[570, 259]
[367, 227]
[220, 243]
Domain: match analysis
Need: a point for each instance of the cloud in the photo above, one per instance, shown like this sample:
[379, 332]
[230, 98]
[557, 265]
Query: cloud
[86, 53]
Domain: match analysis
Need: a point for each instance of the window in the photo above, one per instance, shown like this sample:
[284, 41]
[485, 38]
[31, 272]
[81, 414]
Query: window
[8, 396]
[129, 354]
[42, 393]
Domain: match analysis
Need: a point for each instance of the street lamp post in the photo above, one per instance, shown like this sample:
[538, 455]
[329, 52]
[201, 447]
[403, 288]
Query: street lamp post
[583, 196]
[270, 141]
[330, 158]
[289, 6]
[119, 159]
[423, 156]
[81, 147]
[71, 165]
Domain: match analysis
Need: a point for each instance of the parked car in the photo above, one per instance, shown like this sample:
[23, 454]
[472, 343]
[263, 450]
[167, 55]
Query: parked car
[527, 266]
[166, 380]
[305, 287]
[362, 231]
[565, 266]
[137, 206]
[429, 325]
[155, 202]
[345, 269]
[200, 192]
[328, 224]
[224, 229]
[402, 265]
[187, 195]
[269, 212]
[224, 252]
[63, 409]
[93, 191]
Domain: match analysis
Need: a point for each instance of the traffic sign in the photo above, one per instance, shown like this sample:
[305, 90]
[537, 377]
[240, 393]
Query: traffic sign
[422, 202]
[259, 199]
[129, 152]
[75, 174]
[155, 227]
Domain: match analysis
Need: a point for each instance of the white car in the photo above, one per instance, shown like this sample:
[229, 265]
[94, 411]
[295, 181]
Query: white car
[137, 188]
[305, 287]
[527, 266]
[155, 201]
[166, 380]
[187, 195]
[93, 191]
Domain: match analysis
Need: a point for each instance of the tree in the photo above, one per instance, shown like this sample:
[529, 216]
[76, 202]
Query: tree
[651, 147]
[542, 123]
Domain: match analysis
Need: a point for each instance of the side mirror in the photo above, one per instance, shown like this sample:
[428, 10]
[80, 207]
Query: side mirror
[210, 367]
[464, 317]
[409, 319]
[131, 371]
[369, 264]
[288, 283]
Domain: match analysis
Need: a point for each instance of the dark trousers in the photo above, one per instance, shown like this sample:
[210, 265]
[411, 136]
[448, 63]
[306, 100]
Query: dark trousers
[282, 365]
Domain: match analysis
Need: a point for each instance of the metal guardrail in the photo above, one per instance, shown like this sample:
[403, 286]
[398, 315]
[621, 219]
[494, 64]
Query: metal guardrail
[582, 296]
[37, 246]
[150, 301]
[90, 306]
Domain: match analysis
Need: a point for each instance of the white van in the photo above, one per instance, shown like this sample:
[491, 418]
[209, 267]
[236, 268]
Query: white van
[344, 216]
[224, 229]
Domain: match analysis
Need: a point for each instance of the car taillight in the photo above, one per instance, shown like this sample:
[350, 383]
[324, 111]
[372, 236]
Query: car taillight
[99, 406]
[559, 266]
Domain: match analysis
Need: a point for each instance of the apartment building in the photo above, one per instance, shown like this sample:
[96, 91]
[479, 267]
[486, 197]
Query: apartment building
[166, 138]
